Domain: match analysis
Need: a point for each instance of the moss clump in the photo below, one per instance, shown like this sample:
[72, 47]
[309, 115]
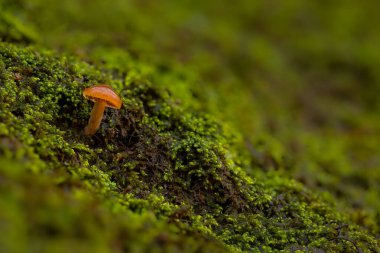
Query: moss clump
[152, 162]
[40, 216]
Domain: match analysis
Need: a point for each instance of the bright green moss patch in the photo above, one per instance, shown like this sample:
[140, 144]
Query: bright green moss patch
[37, 215]
[156, 176]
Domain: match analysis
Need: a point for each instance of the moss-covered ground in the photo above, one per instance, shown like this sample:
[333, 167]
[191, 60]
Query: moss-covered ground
[251, 127]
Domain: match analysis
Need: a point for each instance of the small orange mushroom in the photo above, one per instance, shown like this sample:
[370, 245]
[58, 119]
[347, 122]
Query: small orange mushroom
[103, 96]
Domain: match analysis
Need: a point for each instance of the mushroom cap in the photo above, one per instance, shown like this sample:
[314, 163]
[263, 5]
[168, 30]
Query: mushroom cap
[105, 93]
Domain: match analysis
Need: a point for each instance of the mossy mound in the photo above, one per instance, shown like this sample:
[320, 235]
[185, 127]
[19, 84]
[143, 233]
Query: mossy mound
[156, 176]
[296, 81]
[39, 217]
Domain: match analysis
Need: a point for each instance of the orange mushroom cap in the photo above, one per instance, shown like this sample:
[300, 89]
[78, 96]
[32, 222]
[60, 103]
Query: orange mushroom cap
[105, 93]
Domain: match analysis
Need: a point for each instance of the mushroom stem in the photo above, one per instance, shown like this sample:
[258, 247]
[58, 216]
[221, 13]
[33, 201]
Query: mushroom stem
[96, 117]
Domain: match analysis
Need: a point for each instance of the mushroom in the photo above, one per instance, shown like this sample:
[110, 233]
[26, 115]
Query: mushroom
[103, 96]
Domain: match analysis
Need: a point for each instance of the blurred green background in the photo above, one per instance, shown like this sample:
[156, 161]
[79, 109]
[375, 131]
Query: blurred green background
[297, 81]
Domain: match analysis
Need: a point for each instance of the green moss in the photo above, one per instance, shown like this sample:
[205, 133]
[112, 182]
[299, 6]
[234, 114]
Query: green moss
[151, 156]
[13, 30]
[164, 171]
[40, 216]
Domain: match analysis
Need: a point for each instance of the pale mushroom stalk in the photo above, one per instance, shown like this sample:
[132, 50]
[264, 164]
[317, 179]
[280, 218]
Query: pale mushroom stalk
[96, 117]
